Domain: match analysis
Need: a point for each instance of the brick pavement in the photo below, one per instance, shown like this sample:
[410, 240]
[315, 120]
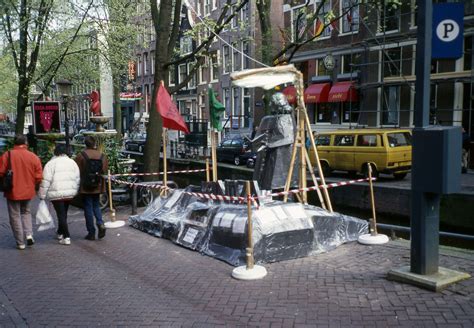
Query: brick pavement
[133, 279]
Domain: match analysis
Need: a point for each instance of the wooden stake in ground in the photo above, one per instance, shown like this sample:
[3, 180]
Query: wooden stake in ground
[249, 253]
[208, 177]
[165, 166]
[373, 221]
[214, 155]
[111, 206]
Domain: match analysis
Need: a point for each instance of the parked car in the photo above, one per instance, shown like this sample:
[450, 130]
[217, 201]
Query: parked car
[136, 142]
[3, 145]
[233, 150]
[387, 151]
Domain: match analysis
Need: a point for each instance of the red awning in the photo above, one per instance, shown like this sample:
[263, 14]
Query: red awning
[317, 93]
[343, 91]
[290, 93]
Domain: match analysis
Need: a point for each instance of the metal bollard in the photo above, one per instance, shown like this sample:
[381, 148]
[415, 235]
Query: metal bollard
[134, 199]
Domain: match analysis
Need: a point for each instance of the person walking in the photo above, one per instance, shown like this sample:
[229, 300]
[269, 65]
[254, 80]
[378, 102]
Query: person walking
[92, 164]
[27, 174]
[60, 184]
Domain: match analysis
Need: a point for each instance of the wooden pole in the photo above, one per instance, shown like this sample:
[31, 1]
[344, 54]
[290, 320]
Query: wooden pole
[249, 253]
[208, 176]
[165, 166]
[373, 221]
[318, 164]
[214, 156]
[111, 206]
[315, 181]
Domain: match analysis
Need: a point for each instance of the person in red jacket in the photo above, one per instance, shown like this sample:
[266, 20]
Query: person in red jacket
[27, 174]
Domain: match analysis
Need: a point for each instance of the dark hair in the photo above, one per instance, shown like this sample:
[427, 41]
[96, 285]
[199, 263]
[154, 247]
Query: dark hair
[60, 150]
[19, 139]
[89, 141]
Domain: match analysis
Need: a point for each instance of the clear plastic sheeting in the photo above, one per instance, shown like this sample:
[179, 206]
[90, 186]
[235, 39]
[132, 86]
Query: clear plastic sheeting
[281, 231]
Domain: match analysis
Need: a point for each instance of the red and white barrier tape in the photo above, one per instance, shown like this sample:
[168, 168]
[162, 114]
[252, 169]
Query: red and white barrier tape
[238, 198]
[154, 173]
[327, 186]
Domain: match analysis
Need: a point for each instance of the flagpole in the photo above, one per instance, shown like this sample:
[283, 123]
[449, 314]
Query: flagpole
[165, 167]
[214, 155]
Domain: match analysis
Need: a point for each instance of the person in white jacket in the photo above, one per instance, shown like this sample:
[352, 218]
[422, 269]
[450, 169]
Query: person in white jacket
[61, 178]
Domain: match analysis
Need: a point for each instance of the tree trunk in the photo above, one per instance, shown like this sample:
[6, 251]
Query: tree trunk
[117, 107]
[162, 21]
[21, 104]
[264, 8]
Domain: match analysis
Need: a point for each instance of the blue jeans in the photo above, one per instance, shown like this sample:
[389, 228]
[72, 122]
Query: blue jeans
[91, 209]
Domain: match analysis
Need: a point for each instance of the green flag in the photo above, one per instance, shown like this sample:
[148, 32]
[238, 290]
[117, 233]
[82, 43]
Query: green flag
[216, 109]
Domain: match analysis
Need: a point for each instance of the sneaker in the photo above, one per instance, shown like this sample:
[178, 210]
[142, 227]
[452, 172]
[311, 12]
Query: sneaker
[20, 246]
[60, 236]
[65, 241]
[29, 240]
[101, 231]
[89, 237]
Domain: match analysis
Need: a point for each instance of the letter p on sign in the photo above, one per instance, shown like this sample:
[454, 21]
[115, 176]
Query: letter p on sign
[448, 20]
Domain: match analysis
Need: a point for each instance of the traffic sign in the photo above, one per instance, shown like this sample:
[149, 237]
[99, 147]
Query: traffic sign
[448, 27]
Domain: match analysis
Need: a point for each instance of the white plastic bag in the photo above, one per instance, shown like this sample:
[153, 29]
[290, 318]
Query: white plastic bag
[44, 220]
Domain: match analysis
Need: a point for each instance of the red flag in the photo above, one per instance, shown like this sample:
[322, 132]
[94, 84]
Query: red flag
[169, 112]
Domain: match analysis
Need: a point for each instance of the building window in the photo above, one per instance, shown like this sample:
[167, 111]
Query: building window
[350, 112]
[468, 52]
[172, 75]
[298, 23]
[139, 66]
[192, 82]
[325, 9]
[234, 23]
[214, 66]
[207, 7]
[389, 17]
[152, 56]
[145, 63]
[246, 106]
[245, 51]
[227, 64]
[324, 113]
[244, 13]
[202, 105]
[181, 73]
[322, 70]
[235, 105]
[392, 59]
[351, 62]
[228, 108]
[201, 78]
[350, 18]
[198, 7]
[186, 44]
[236, 59]
[390, 105]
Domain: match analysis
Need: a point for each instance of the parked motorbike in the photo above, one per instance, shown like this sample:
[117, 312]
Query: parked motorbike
[123, 193]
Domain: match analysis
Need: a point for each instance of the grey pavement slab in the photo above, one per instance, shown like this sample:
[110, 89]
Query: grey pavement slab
[134, 279]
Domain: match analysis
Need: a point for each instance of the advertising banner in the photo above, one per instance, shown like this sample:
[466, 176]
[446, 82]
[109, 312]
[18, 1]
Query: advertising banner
[46, 116]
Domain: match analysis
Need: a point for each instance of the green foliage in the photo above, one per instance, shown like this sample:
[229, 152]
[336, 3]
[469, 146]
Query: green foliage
[112, 149]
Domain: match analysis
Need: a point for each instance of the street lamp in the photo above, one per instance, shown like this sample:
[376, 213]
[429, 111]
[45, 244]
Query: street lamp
[64, 90]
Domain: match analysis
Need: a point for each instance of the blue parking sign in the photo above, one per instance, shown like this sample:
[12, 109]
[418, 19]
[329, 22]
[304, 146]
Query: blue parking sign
[448, 30]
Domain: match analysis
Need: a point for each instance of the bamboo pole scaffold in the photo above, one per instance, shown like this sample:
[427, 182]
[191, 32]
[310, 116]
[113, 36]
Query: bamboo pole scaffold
[268, 78]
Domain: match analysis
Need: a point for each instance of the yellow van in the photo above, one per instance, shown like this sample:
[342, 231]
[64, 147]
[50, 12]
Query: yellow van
[387, 151]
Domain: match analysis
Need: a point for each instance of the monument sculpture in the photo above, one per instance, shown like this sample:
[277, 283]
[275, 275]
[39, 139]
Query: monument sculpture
[272, 143]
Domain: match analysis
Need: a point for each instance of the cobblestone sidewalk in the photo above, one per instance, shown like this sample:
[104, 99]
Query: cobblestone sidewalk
[133, 279]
